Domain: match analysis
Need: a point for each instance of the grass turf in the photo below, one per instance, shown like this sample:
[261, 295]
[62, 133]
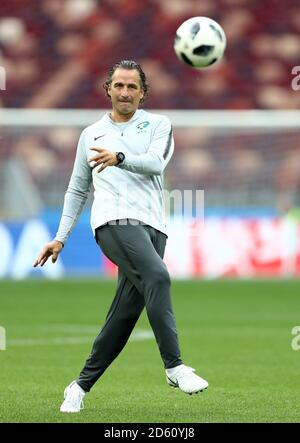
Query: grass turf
[236, 333]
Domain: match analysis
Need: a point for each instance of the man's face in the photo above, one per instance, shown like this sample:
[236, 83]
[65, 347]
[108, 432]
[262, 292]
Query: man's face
[125, 91]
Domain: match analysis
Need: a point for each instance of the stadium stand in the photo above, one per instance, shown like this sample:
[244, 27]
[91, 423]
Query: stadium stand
[56, 52]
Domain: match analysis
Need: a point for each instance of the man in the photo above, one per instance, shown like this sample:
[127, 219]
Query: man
[124, 155]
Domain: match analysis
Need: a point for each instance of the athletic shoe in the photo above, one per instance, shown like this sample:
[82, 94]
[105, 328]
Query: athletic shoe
[183, 377]
[73, 398]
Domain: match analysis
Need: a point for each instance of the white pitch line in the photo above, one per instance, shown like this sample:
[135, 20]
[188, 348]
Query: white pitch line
[135, 336]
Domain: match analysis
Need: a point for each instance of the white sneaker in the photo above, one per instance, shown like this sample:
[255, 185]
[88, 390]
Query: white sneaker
[73, 398]
[183, 377]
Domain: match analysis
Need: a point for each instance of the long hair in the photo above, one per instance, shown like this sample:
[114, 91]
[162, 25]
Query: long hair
[130, 65]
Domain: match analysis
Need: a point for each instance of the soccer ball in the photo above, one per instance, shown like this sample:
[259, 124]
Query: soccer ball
[200, 42]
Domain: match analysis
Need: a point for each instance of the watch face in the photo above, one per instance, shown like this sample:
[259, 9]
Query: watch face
[121, 156]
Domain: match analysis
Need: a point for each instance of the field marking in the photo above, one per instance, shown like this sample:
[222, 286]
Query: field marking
[138, 335]
[61, 327]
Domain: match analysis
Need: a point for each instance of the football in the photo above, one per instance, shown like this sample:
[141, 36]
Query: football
[200, 42]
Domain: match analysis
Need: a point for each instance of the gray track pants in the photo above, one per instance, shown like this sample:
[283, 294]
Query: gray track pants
[143, 280]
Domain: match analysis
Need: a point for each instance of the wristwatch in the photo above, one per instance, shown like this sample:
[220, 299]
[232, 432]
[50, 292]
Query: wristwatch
[120, 157]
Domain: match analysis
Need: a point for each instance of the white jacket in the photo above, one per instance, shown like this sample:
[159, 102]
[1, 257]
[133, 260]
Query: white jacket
[133, 189]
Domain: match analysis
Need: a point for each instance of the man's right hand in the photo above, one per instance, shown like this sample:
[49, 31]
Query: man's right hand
[53, 248]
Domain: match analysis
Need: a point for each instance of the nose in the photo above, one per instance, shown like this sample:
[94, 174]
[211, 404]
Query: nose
[125, 92]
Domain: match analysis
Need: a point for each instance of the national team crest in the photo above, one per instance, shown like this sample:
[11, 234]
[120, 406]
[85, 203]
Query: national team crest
[141, 127]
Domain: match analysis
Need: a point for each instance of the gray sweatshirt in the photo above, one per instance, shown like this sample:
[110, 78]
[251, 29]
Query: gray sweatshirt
[133, 189]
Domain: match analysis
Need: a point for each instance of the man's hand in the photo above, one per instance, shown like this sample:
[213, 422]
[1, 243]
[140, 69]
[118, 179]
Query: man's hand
[104, 158]
[53, 248]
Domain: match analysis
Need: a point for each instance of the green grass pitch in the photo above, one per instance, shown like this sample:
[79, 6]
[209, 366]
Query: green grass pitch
[236, 333]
